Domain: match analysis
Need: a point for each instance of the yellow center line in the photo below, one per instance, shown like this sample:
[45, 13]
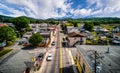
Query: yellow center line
[60, 55]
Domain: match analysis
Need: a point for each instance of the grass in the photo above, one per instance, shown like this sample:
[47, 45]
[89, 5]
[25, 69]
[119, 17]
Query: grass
[88, 42]
[69, 24]
[5, 51]
[79, 24]
[108, 27]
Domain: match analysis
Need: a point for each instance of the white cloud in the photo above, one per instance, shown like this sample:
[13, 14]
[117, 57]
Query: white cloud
[11, 10]
[40, 8]
[81, 12]
[104, 7]
[59, 8]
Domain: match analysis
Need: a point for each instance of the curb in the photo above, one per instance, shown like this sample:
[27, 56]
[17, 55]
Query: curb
[6, 55]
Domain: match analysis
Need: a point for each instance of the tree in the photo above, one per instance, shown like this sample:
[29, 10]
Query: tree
[35, 39]
[96, 23]
[88, 26]
[21, 23]
[7, 34]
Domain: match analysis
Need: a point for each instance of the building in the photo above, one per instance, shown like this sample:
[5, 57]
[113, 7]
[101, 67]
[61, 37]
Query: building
[116, 39]
[76, 38]
[98, 59]
[73, 29]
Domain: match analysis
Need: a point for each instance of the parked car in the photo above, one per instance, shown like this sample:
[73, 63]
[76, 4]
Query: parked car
[53, 43]
[49, 57]
[40, 56]
[21, 42]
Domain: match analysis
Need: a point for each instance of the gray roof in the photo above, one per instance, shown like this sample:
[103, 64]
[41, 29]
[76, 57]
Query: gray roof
[110, 61]
[73, 29]
[16, 63]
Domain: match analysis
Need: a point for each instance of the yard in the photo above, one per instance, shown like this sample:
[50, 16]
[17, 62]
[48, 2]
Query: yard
[68, 24]
[108, 27]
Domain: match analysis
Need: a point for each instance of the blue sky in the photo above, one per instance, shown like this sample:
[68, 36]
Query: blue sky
[44, 9]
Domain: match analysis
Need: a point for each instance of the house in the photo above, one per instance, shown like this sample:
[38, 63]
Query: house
[76, 38]
[98, 59]
[101, 30]
[42, 29]
[73, 29]
[116, 39]
[116, 30]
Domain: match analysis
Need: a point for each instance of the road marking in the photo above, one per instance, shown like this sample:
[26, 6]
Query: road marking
[60, 55]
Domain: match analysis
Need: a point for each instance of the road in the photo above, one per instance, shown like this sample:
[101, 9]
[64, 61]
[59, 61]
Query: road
[67, 66]
[61, 62]
[53, 65]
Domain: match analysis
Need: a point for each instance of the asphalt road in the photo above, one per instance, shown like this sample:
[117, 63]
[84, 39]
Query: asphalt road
[61, 57]
[53, 65]
[66, 59]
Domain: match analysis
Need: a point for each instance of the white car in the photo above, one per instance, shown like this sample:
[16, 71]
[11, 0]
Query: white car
[49, 57]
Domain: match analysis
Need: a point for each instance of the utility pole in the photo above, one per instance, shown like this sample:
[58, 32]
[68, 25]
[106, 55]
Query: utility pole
[94, 55]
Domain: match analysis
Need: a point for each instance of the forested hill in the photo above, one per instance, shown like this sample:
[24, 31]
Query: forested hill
[52, 20]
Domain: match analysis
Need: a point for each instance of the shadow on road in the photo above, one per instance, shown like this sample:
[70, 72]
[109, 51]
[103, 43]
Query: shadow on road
[29, 47]
[68, 69]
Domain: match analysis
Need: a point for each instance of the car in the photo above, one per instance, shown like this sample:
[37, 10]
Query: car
[40, 56]
[20, 42]
[49, 57]
[53, 43]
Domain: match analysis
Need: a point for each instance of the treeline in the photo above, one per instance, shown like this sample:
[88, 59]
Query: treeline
[108, 20]
[7, 19]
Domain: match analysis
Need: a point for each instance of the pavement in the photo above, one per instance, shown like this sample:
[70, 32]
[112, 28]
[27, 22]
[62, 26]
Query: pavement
[17, 62]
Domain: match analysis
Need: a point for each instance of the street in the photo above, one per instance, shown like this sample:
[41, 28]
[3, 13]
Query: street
[62, 61]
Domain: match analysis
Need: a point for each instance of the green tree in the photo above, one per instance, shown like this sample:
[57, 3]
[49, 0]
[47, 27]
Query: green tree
[21, 23]
[89, 26]
[7, 34]
[35, 39]
[96, 23]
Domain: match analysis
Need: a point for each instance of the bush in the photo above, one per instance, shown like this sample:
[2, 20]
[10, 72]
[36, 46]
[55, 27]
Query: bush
[10, 43]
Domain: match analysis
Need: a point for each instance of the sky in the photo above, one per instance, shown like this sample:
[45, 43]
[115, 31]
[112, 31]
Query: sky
[43, 9]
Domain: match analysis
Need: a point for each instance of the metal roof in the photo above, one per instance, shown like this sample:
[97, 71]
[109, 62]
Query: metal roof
[110, 61]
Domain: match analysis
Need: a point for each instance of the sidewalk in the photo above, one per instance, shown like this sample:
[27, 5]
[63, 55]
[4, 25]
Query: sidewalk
[73, 62]
[44, 60]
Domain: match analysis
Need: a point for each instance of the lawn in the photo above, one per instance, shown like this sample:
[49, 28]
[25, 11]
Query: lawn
[79, 24]
[68, 24]
[5, 51]
[108, 27]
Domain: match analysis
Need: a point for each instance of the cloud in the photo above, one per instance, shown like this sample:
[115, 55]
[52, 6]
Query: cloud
[104, 7]
[40, 8]
[11, 10]
[59, 8]
[81, 12]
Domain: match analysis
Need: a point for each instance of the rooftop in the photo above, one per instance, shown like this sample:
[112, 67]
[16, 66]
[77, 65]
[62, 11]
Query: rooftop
[118, 34]
[110, 61]
[76, 34]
